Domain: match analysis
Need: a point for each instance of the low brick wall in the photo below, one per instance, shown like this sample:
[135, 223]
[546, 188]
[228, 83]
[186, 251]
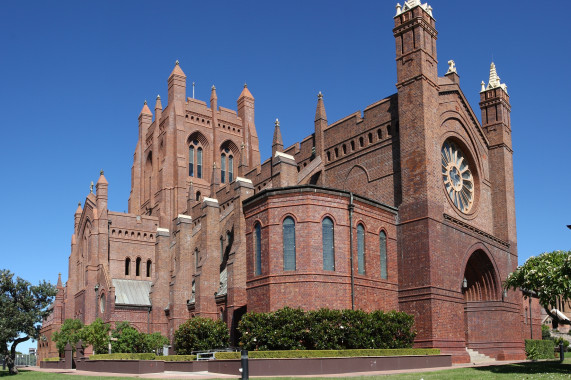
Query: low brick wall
[264, 367]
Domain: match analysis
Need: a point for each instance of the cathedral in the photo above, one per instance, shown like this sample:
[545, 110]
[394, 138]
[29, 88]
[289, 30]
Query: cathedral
[406, 206]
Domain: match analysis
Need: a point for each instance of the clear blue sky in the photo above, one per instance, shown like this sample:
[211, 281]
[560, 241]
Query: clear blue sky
[74, 75]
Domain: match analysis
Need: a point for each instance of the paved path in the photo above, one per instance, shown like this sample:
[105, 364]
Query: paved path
[210, 375]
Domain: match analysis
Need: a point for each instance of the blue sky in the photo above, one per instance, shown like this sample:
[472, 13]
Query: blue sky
[74, 75]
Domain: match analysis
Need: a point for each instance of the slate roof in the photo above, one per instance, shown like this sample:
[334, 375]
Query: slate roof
[132, 292]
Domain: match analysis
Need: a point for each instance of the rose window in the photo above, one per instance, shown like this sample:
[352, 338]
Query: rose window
[457, 177]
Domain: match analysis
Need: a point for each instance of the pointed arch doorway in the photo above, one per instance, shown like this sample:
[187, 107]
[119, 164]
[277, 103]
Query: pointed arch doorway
[482, 294]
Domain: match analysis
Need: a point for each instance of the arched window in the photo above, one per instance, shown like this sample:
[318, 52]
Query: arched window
[138, 267]
[191, 160]
[199, 163]
[222, 168]
[383, 251]
[221, 249]
[127, 266]
[361, 249]
[328, 244]
[230, 168]
[149, 268]
[289, 243]
[198, 195]
[258, 248]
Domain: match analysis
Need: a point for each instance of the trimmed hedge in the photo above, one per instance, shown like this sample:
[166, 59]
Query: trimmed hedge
[296, 354]
[123, 356]
[200, 334]
[56, 359]
[325, 329]
[541, 349]
[177, 358]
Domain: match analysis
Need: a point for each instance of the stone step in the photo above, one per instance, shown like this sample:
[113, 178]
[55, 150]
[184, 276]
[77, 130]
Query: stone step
[476, 357]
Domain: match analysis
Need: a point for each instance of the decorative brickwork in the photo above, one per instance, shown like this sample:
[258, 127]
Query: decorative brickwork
[199, 193]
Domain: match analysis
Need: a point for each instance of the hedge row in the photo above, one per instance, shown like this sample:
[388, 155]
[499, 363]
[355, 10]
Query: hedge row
[539, 349]
[56, 359]
[297, 354]
[325, 329]
[123, 356]
[177, 358]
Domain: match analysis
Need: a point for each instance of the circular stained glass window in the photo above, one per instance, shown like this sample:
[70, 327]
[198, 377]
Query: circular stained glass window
[457, 177]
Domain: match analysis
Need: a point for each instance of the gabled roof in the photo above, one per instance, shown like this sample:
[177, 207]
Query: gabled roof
[132, 292]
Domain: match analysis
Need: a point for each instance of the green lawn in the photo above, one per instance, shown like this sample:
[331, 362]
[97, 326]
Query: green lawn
[538, 370]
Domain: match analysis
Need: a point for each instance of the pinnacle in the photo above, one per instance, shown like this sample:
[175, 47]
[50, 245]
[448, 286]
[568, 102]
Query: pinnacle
[146, 109]
[177, 70]
[320, 109]
[102, 179]
[246, 93]
[79, 209]
[158, 104]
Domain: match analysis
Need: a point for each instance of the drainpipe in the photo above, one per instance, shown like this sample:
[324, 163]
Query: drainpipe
[351, 207]
[530, 320]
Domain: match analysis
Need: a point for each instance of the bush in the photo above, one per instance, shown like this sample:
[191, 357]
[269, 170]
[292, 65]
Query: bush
[97, 335]
[70, 332]
[177, 358]
[539, 349]
[56, 359]
[324, 329]
[327, 353]
[129, 340]
[557, 341]
[200, 334]
[124, 356]
[545, 332]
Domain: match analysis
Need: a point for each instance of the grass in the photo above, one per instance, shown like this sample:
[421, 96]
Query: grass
[528, 370]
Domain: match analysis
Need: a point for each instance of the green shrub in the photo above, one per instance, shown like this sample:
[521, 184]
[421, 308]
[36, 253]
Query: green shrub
[327, 353]
[545, 332]
[324, 329]
[539, 349]
[560, 340]
[129, 340]
[69, 332]
[56, 359]
[177, 358]
[200, 334]
[124, 356]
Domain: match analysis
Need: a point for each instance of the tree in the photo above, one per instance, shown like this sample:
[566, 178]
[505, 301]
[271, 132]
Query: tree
[97, 335]
[200, 334]
[23, 306]
[71, 332]
[155, 342]
[128, 339]
[549, 276]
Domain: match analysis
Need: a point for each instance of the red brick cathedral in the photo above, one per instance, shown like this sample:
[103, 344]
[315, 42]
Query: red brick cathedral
[408, 207]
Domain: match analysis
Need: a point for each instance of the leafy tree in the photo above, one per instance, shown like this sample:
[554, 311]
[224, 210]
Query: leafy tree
[128, 339]
[23, 306]
[154, 342]
[548, 275]
[71, 332]
[97, 335]
[200, 334]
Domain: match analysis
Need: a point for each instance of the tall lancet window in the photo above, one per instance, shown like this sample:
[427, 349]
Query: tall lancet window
[222, 168]
[383, 251]
[289, 243]
[191, 161]
[199, 163]
[361, 249]
[328, 245]
[230, 168]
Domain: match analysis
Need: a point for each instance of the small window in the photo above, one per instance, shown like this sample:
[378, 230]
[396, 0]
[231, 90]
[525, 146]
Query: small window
[361, 142]
[138, 267]
[383, 252]
[361, 249]
[127, 266]
[344, 149]
[289, 243]
[149, 268]
[336, 152]
[328, 156]
[352, 145]
[328, 244]
[196, 260]
[370, 138]
[191, 161]
[379, 134]
[258, 248]
[198, 195]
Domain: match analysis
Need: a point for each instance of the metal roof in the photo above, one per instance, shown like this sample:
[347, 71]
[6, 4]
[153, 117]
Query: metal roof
[132, 292]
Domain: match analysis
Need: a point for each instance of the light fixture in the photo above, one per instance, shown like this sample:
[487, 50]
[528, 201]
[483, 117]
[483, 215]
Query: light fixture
[96, 287]
[464, 283]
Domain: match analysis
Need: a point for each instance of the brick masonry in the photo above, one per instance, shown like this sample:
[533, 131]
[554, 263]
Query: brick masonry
[190, 226]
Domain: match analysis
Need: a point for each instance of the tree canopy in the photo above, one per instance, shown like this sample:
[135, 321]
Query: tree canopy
[23, 306]
[548, 275]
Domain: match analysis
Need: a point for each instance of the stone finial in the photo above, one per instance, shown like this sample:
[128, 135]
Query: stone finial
[399, 9]
[451, 67]
[176, 63]
[494, 81]
[245, 85]
[158, 97]
[277, 123]
[213, 87]
[483, 86]
[408, 5]
[320, 95]
[101, 172]
[91, 187]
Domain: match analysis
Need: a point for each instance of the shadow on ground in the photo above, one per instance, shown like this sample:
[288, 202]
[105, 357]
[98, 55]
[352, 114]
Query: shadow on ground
[529, 368]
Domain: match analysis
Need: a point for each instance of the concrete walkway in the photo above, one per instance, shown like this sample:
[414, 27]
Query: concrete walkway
[209, 375]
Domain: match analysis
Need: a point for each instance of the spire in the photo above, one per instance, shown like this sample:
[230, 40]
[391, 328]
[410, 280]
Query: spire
[177, 70]
[145, 110]
[245, 93]
[494, 81]
[215, 182]
[102, 179]
[191, 198]
[213, 99]
[277, 142]
[320, 110]
[158, 104]
[59, 284]
[79, 210]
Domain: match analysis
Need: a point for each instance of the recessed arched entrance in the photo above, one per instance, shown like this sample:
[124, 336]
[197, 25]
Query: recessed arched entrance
[482, 293]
